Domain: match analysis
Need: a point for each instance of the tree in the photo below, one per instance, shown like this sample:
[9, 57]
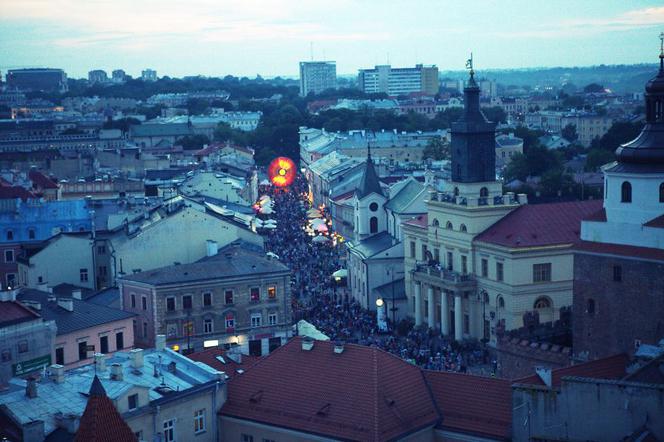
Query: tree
[619, 133]
[437, 149]
[495, 114]
[569, 133]
[593, 88]
[193, 142]
[597, 158]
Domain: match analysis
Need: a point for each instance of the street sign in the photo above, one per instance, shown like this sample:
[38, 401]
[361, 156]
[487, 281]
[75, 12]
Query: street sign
[25, 367]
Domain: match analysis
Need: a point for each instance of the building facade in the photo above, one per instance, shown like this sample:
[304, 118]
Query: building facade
[399, 81]
[317, 76]
[47, 80]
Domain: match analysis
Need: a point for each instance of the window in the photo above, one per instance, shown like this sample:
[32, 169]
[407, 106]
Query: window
[272, 292]
[484, 192]
[6, 355]
[144, 302]
[449, 226]
[256, 319]
[132, 401]
[463, 228]
[170, 304]
[60, 355]
[228, 295]
[101, 250]
[272, 319]
[82, 350]
[133, 300]
[255, 294]
[139, 435]
[145, 329]
[373, 207]
[207, 326]
[230, 322]
[207, 299]
[22, 346]
[9, 255]
[373, 225]
[412, 249]
[464, 264]
[617, 273]
[661, 193]
[103, 344]
[590, 307]
[84, 275]
[499, 271]
[436, 255]
[626, 192]
[501, 302]
[542, 272]
[435, 222]
[450, 261]
[31, 233]
[485, 267]
[199, 421]
[424, 252]
[169, 431]
[119, 341]
[542, 303]
[247, 438]
[11, 280]
[186, 302]
[102, 271]
[10, 235]
[466, 323]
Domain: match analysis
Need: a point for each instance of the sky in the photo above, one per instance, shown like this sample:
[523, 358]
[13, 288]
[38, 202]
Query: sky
[270, 37]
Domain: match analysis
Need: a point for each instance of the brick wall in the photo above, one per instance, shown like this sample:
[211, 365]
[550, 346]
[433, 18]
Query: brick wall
[519, 357]
[624, 311]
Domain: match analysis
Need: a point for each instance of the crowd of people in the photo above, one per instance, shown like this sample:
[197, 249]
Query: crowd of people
[317, 298]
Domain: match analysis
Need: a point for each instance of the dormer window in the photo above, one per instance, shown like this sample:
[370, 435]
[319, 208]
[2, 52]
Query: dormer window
[626, 192]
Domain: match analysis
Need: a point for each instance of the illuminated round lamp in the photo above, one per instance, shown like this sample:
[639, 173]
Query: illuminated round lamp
[379, 302]
[282, 172]
[176, 347]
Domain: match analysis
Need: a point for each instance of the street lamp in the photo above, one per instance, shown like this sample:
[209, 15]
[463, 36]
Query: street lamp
[483, 294]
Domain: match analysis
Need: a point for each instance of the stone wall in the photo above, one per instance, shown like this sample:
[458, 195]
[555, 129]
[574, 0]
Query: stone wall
[518, 357]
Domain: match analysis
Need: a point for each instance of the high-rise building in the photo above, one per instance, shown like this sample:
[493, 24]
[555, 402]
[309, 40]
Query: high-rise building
[97, 76]
[317, 76]
[42, 79]
[118, 76]
[149, 75]
[399, 81]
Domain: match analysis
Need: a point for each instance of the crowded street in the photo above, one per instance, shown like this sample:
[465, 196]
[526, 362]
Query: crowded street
[320, 300]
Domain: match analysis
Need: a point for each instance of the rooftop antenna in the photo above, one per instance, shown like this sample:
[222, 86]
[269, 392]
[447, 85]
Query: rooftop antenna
[311, 50]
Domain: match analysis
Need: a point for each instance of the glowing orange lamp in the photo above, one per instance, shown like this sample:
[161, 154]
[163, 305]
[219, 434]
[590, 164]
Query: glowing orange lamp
[281, 172]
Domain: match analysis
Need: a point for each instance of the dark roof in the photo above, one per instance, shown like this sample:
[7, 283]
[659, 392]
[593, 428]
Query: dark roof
[610, 368]
[601, 248]
[101, 421]
[650, 373]
[12, 312]
[109, 297]
[600, 216]
[15, 192]
[41, 181]
[369, 182]
[160, 130]
[656, 222]
[473, 404]
[535, 225]
[373, 245]
[214, 357]
[419, 221]
[231, 261]
[85, 314]
[396, 288]
[363, 393]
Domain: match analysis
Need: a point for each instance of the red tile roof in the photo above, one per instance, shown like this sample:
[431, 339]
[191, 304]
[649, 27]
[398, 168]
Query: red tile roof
[600, 215]
[473, 404]
[537, 225]
[230, 367]
[612, 367]
[361, 394]
[101, 421]
[620, 250]
[12, 312]
[41, 181]
[656, 222]
[420, 221]
[7, 193]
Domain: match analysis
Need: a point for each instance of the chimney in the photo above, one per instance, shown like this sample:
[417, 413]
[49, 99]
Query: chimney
[136, 357]
[116, 372]
[100, 361]
[31, 388]
[307, 343]
[160, 342]
[66, 303]
[338, 347]
[42, 286]
[212, 247]
[523, 198]
[77, 294]
[57, 373]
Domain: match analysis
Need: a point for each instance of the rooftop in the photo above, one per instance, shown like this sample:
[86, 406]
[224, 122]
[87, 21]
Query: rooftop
[12, 312]
[643, 253]
[538, 225]
[223, 360]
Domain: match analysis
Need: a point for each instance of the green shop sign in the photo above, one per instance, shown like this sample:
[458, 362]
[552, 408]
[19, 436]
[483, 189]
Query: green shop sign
[25, 367]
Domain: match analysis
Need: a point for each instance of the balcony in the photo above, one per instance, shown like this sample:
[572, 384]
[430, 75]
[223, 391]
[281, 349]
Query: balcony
[507, 199]
[447, 279]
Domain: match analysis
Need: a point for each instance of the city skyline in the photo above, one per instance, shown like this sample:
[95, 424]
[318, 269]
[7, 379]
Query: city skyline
[217, 38]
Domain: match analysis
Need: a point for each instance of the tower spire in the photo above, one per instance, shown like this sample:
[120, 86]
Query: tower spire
[661, 53]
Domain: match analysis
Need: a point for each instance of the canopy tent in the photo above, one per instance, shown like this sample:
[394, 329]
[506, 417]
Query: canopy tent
[272, 255]
[321, 239]
[313, 212]
[265, 183]
[270, 222]
[266, 210]
[317, 222]
[321, 228]
[341, 273]
[304, 328]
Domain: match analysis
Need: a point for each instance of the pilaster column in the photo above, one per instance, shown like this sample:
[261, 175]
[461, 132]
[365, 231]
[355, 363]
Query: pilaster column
[430, 316]
[458, 317]
[444, 314]
[418, 304]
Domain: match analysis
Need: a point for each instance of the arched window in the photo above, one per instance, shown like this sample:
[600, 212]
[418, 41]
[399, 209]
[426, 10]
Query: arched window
[31, 233]
[373, 225]
[626, 192]
[463, 228]
[448, 226]
[373, 207]
[590, 307]
[501, 302]
[544, 308]
[435, 222]
[542, 303]
[661, 193]
[484, 192]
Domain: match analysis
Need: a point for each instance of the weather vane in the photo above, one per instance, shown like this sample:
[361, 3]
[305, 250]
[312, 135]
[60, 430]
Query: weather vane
[469, 65]
[661, 44]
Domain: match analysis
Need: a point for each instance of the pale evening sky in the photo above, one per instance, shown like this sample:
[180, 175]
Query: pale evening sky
[270, 37]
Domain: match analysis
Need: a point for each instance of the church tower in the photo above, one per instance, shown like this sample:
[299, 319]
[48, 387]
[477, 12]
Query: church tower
[369, 202]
